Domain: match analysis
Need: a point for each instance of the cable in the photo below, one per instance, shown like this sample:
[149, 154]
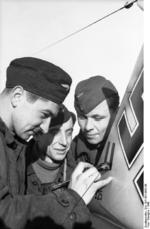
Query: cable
[126, 6]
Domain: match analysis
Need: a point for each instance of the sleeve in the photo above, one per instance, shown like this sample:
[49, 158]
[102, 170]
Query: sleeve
[55, 210]
[63, 208]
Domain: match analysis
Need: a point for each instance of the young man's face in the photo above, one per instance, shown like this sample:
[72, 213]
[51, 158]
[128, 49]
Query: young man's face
[94, 124]
[61, 141]
[28, 117]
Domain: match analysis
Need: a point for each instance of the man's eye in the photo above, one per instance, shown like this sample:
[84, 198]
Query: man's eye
[98, 118]
[45, 115]
[69, 133]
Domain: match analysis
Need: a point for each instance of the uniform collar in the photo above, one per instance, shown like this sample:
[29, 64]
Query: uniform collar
[10, 139]
[89, 152]
[6, 132]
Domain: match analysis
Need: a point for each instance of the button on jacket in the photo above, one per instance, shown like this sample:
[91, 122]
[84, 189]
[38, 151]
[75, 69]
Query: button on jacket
[35, 186]
[17, 210]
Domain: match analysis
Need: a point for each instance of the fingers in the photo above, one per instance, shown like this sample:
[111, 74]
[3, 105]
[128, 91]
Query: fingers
[92, 187]
[90, 180]
[101, 183]
[80, 168]
[87, 182]
[91, 172]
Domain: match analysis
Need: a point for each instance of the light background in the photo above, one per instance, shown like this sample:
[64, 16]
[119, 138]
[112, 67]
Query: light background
[109, 48]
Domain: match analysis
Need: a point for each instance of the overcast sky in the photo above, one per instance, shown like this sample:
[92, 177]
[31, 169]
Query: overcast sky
[108, 48]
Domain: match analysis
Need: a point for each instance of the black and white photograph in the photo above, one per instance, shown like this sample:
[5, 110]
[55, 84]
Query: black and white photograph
[72, 115]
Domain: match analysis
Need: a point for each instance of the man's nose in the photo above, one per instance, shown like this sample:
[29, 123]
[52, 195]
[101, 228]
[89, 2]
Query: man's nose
[88, 124]
[63, 139]
[45, 125]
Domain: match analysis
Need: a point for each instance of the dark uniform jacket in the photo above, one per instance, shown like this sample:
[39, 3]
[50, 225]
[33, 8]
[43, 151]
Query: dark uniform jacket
[17, 210]
[81, 150]
[34, 185]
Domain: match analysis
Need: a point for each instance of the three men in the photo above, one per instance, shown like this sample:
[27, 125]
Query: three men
[34, 90]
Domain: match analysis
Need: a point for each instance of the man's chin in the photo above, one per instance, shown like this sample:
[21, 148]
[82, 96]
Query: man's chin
[59, 159]
[93, 141]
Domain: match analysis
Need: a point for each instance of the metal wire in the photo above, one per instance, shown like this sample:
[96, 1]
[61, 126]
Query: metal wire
[126, 6]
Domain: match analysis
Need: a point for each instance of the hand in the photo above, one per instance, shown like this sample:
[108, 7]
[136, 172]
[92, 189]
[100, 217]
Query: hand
[86, 183]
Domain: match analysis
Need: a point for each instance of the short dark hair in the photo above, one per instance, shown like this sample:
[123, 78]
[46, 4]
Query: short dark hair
[31, 98]
[63, 116]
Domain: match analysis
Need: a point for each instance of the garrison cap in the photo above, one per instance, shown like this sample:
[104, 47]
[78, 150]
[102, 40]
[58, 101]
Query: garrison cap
[91, 92]
[39, 77]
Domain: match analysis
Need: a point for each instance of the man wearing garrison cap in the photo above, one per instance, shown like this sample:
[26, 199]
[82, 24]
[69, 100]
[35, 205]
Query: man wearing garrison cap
[96, 103]
[34, 91]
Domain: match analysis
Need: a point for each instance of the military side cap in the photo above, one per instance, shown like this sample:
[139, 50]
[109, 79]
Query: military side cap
[91, 92]
[39, 77]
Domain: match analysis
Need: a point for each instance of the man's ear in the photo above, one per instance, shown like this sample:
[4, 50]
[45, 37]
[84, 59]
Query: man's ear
[17, 95]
